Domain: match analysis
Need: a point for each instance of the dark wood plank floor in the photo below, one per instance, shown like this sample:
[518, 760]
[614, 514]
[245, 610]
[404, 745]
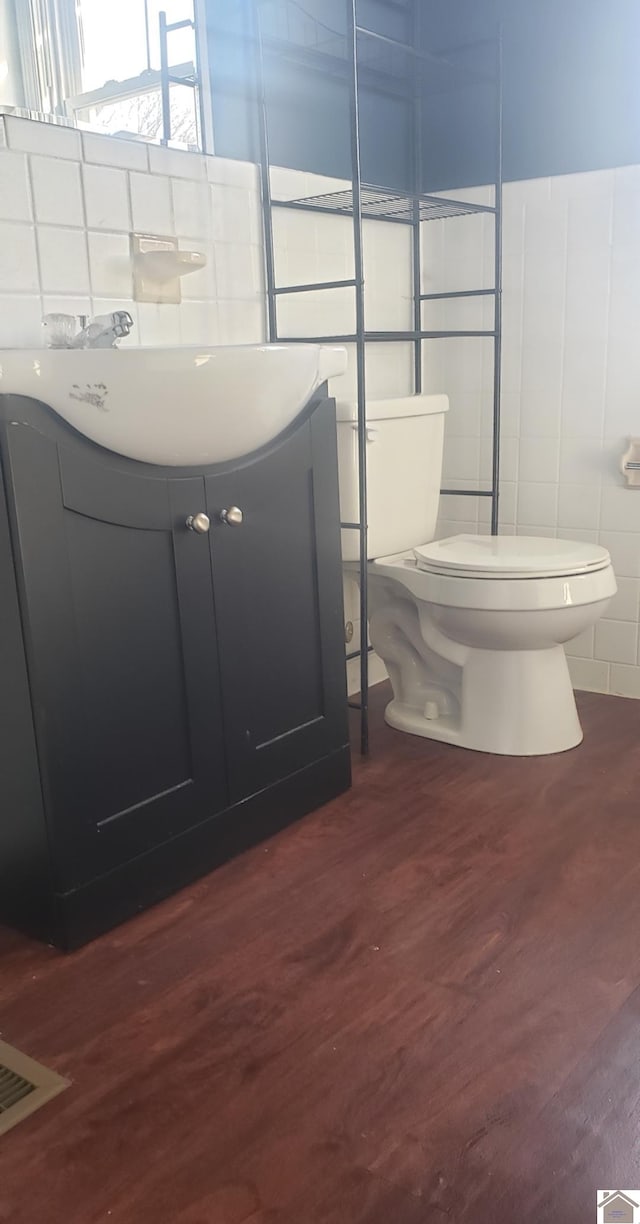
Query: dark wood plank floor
[421, 1003]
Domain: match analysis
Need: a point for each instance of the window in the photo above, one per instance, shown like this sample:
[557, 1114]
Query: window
[100, 64]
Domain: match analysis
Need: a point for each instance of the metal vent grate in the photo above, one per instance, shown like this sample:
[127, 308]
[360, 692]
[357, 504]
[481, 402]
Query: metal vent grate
[25, 1085]
[13, 1088]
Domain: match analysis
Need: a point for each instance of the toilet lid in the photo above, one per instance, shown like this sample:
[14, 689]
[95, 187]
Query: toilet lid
[510, 557]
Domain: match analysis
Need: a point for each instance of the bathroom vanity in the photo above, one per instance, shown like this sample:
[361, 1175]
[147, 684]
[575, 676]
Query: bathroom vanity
[172, 661]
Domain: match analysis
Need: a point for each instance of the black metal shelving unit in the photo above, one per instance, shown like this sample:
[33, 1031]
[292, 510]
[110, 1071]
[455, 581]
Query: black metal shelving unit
[365, 57]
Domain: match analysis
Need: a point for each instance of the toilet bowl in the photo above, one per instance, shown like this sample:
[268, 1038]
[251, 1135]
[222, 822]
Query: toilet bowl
[474, 646]
[470, 628]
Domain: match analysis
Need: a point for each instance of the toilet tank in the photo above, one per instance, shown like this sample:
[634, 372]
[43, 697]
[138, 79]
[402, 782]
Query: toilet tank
[404, 468]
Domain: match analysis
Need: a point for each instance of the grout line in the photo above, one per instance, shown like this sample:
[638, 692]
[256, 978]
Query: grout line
[36, 235]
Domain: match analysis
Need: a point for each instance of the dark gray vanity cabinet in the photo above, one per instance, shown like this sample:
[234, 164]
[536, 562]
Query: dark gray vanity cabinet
[172, 696]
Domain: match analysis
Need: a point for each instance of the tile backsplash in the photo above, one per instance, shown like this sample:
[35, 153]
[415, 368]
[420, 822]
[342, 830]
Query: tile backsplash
[68, 202]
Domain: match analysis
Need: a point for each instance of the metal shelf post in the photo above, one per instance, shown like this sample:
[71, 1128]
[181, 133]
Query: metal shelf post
[363, 200]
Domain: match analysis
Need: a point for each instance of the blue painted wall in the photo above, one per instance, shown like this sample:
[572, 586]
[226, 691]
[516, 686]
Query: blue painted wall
[571, 90]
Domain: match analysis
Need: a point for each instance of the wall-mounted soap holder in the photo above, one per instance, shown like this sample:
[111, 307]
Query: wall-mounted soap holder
[630, 464]
[158, 265]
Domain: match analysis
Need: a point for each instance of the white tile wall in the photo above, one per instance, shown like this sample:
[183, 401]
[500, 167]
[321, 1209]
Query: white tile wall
[68, 203]
[571, 390]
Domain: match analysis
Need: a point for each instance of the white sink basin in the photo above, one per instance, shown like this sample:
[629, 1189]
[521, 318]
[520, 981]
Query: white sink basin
[176, 406]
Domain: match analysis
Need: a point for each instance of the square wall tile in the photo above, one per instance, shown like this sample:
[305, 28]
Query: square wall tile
[459, 510]
[115, 151]
[190, 208]
[538, 459]
[581, 460]
[151, 208]
[581, 647]
[616, 641]
[15, 197]
[158, 324]
[57, 191]
[106, 194]
[537, 504]
[541, 388]
[76, 304]
[64, 266]
[461, 459]
[622, 381]
[507, 505]
[199, 323]
[591, 220]
[626, 604]
[110, 265]
[543, 298]
[509, 458]
[583, 385]
[20, 322]
[178, 163]
[578, 506]
[510, 417]
[620, 509]
[624, 549]
[18, 261]
[625, 681]
[241, 322]
[50, 139]
[592, 675]
[232, 219]
[626, 219]
[244, 174]
[545, 227]
[588, 292]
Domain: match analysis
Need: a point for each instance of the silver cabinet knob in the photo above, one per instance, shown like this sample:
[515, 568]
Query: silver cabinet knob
[232, 517]
[199, 523]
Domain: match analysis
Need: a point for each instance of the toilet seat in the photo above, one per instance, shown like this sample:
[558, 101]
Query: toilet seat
[509, 557]
[493, 592]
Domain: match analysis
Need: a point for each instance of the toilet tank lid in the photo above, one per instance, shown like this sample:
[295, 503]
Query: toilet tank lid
[394, 409]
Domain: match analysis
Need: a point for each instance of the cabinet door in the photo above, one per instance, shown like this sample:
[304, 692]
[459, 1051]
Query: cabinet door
[118, 613]
[278, 594]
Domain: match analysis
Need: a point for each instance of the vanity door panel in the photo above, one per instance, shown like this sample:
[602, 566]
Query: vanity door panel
[278, 595]
[120, 630]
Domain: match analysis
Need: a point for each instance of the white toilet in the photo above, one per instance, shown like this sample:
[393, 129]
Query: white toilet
[470, 628]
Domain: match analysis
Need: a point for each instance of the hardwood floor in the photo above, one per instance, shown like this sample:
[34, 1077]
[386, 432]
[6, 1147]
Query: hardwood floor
[421, 1003]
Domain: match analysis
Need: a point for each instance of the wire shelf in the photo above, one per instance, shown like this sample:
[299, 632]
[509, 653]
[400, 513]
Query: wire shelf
[385, 204]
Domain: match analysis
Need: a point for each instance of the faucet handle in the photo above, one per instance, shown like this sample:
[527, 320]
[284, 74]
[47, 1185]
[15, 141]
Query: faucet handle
[122, 323]
[60, 329]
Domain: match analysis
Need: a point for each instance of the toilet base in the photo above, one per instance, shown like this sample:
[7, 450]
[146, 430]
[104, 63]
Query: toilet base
[511, 703]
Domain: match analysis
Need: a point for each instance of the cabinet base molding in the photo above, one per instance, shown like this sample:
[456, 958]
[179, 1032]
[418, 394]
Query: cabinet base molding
[89, 911]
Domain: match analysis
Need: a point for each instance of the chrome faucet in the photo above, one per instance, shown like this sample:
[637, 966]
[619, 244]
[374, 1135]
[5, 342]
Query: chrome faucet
[101, 332]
